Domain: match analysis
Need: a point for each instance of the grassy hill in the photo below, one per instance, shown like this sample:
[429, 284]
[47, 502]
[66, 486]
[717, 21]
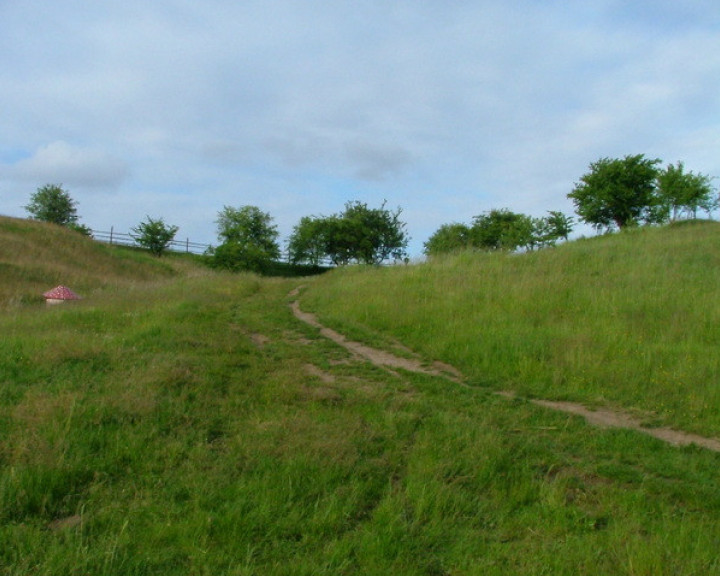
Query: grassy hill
[191, 424]
[629, 319]
[35, 257]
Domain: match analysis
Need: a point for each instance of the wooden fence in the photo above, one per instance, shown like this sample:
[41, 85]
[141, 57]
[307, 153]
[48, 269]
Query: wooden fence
[122, 239]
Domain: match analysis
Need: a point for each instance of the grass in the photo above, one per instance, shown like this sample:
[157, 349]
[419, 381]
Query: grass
[191, 425]
[628, 320]
[36, 256]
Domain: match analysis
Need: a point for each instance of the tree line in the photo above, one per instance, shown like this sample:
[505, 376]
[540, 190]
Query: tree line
[501, 229]
[248, 238]
[620, 192]
[616, 193]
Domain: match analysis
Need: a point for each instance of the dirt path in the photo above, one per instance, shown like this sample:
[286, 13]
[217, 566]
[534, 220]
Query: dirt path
[375, 356]
[601, 417]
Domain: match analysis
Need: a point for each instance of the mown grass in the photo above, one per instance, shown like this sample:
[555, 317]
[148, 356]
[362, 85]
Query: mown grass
[194, 426]
[629, 320]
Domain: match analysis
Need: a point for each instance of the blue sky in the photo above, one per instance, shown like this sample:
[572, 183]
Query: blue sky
[446, 108]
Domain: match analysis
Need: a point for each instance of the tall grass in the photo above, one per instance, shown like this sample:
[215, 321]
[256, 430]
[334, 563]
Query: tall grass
[629, 319]
[193, 426]
[36, 256]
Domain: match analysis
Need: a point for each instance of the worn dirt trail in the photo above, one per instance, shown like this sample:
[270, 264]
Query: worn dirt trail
[600, 417]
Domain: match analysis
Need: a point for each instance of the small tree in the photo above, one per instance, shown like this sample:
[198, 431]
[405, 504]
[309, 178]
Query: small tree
[559, 224]
[249, 239]
[308, 241]
[53, 204]
[81, 229]
[618, 193]
[502, 230]
[685, 192]
[154, 235]
[448, 238]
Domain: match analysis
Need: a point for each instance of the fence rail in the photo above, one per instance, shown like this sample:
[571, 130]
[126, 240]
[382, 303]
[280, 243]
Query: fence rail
[122, 239]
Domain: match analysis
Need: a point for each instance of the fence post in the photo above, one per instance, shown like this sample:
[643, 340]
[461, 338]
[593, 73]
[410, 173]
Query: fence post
[111, 235]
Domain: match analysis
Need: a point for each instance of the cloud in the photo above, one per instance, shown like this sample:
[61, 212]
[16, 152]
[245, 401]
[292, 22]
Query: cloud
[59, 162]
[445, 108]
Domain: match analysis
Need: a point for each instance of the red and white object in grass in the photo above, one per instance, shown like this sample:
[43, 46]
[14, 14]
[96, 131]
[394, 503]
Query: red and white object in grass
[60, 294]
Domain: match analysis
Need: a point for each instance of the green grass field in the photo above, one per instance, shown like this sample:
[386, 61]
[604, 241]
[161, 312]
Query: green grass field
[629, 320]
[178, 421]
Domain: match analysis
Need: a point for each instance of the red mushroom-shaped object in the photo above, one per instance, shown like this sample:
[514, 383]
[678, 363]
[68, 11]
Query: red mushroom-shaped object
[60, 294]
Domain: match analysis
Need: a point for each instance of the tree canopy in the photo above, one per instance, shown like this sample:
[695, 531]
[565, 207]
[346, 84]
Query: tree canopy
[449, 238]
[629, 191]
[51, 203]
[500, 229]
[684, 193]
[618, 192]
[249, 239]
[358, 234]
[154, 235]
[308, 241]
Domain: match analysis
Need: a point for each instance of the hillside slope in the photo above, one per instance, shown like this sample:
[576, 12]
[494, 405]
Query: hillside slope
[36, 256]
[628, 319]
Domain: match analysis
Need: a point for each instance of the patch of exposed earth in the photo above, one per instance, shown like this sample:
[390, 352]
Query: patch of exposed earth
[375, 356]
[602, 417]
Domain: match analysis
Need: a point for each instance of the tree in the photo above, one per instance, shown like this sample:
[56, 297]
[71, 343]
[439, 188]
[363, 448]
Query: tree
[53, 204]
[339, 239]
[618, 193]
[154, 235]
[560, 225]
[365, 235]
[81, 229]
[358, 234]
[307, 243]
[685, 192]
[502, 230]
[249, 239]
[448, 238]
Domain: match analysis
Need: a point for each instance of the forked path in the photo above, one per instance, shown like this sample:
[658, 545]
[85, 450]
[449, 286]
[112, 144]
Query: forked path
[601, 417]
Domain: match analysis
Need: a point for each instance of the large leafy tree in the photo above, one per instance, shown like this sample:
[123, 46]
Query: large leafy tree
[684, 193]
[618, 192]
[51, 203]
[307, 243]
[358, 234]
[366, 235]
[248, 239]
[154, 235]
[341, 240]
[377, 233]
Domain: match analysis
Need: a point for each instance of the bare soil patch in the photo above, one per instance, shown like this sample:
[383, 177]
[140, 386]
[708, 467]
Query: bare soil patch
[375, 356]
[604, 418]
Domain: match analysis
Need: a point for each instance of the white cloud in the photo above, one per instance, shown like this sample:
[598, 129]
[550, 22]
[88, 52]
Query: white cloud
[58, 162]
[448, 108]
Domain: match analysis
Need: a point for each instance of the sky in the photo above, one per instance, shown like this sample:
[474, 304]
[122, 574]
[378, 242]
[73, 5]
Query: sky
[446, 109]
